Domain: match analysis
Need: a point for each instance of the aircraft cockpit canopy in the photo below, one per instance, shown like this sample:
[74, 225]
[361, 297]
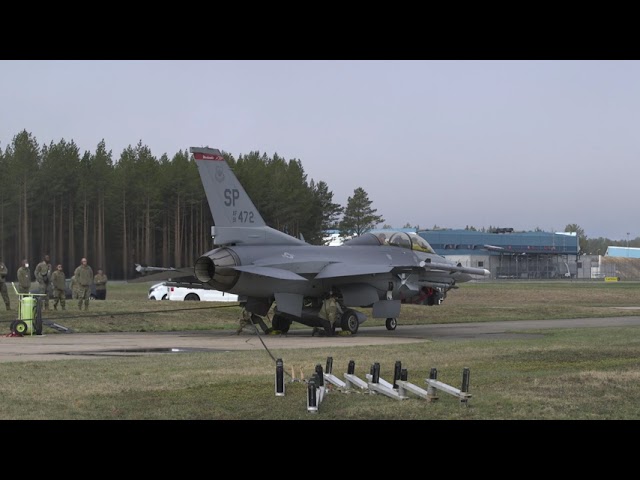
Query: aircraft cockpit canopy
[411, 241]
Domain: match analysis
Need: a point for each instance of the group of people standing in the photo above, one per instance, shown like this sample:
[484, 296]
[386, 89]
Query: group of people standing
[51, 280]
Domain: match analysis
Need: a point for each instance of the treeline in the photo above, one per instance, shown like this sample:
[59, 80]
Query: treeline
[142, 209]
[138, 208]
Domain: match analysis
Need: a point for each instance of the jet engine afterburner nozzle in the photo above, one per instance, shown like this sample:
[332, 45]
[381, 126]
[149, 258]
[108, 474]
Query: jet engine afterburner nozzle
[215, 268]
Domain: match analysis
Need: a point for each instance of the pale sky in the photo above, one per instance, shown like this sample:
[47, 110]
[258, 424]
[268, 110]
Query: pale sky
[519, 144]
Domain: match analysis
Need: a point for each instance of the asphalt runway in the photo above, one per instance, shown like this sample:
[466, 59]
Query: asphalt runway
[56, 346]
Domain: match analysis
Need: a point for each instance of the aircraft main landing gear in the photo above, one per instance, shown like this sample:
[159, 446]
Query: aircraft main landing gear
[391, 323]
[280, 323]
[349, 322]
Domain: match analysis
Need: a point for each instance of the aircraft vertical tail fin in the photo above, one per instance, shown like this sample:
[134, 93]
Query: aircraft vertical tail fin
[236, 218]
[229, 203]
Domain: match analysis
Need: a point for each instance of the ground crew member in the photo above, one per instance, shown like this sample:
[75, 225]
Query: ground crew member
[24, 277]
[43, 276]
[101, 285]
[248, 320]
[245, 320]
[329, 311]
[74, 287]
[58, 281]
[3, 285]
[84, 277]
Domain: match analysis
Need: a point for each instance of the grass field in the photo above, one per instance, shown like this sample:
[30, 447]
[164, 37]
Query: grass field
[562, 374]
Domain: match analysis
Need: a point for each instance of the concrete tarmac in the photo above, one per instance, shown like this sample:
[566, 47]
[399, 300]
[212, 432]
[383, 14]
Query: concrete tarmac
[56, 346]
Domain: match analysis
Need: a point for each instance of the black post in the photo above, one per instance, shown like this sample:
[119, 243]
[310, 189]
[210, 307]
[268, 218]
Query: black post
[312, 400]
[404, 374]
[320, 375]
[351, 368]
[376, 373]
[396, 373]
[465, 380]
[279, 378]
[433, 374]
[329, 368]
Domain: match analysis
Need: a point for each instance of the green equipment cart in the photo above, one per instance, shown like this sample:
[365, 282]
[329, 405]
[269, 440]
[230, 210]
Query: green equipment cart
[29, 314]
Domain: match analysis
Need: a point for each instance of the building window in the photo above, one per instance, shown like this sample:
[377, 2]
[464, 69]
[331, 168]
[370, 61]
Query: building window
[481, 264]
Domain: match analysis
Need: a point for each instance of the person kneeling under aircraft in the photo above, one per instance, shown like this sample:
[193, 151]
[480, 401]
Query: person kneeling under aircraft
[248, 321]
[330, 311]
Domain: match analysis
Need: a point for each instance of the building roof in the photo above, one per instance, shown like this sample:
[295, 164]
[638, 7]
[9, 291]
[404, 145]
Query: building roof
[629, 252]
[470, 242]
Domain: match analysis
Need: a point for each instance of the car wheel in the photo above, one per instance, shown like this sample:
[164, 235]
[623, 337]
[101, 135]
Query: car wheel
[192, 296]
[391, 323]
[164, 297]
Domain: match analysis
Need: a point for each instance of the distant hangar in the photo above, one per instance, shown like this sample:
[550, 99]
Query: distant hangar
[509, 254]
[524, 255]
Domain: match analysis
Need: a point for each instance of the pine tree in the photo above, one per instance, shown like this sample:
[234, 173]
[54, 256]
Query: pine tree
[359, 217]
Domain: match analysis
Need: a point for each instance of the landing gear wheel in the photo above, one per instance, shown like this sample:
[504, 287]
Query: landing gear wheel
[280, 323]
[350, 322]
[20, 327]
[391, 323]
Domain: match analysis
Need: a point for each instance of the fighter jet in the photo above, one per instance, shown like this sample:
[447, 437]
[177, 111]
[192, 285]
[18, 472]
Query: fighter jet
[265, 266]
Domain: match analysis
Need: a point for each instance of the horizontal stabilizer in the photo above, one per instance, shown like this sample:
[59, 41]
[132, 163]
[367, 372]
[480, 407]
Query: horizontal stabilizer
[170, 273]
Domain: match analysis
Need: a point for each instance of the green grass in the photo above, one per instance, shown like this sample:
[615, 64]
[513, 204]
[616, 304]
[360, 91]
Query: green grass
[564, 374]
[128, 310]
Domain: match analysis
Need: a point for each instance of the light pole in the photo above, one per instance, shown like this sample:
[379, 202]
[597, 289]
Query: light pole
[627, 244]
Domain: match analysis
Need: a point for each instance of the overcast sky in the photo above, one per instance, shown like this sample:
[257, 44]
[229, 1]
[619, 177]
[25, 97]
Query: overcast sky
[520, 144]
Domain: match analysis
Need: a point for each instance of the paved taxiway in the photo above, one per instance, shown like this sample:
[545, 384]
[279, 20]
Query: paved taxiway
[56, 346]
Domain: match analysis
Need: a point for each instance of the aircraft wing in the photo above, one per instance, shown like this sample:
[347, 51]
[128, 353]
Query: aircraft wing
[164, 274]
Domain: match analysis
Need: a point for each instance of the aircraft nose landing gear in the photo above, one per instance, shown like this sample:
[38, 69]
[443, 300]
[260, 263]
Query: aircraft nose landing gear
[391, 323]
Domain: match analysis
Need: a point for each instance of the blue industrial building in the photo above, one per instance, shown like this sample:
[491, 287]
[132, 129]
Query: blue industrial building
[509, 254]
[624, 252]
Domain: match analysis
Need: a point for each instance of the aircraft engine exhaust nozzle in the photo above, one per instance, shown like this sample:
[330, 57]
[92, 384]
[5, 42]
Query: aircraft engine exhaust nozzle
[215, 268]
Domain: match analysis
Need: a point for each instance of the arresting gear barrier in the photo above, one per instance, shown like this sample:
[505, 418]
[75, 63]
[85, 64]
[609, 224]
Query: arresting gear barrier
[401, 386]
[398, 389]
